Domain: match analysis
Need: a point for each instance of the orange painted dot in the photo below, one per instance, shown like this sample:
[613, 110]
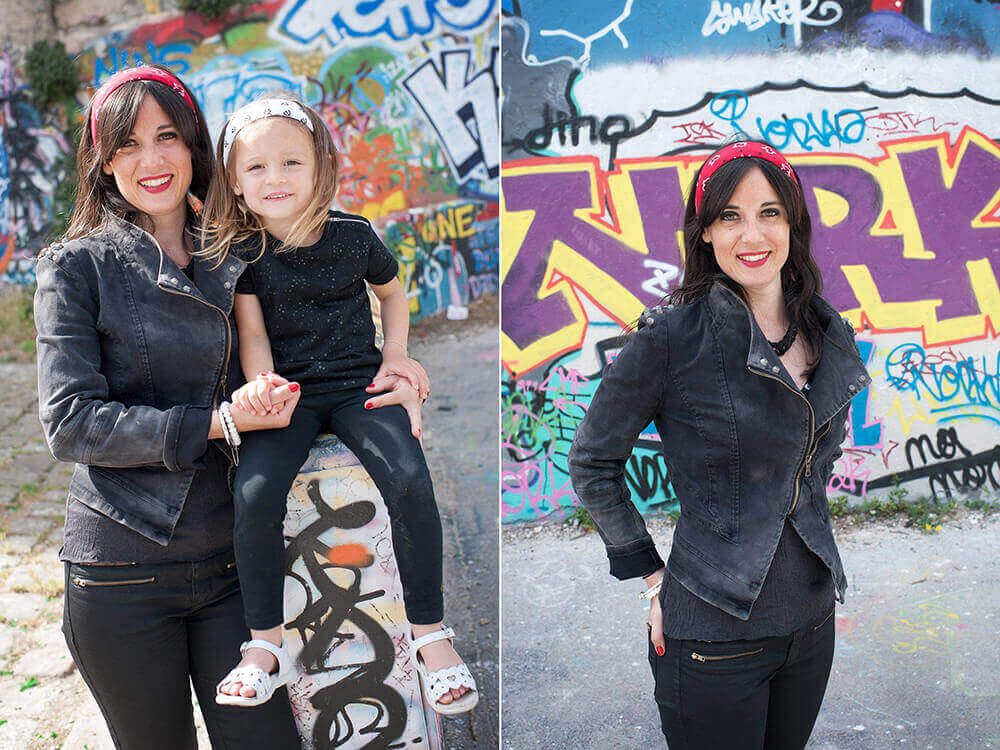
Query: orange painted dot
[351, 556]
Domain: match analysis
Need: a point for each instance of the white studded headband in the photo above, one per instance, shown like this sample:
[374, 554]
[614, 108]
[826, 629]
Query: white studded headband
[258, 110]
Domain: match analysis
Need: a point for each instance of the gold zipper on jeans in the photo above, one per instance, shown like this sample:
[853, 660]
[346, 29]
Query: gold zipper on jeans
[85, 582]
[702, 658]
[825, 619]
[812, 436]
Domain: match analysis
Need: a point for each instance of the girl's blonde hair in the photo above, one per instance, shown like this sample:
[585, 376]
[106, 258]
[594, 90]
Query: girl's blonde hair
[228, 221]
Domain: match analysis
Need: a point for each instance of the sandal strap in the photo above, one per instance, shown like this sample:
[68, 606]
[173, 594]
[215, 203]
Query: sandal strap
[438, 635]
[279, 652]
[447, 678]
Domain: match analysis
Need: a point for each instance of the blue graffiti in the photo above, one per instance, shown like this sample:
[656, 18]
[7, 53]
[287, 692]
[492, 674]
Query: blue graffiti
[847, 125]
[310, 21]
[173, 56]
[864, 434]
[966, 382]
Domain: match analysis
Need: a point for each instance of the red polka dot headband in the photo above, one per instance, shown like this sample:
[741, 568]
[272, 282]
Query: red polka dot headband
[739, 150]
[141, 73]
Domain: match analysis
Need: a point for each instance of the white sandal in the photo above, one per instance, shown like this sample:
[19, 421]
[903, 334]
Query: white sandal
[262, 683]
[437, 683]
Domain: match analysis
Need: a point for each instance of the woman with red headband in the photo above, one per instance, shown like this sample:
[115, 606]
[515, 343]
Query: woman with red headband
[135, 351]
[747, 374]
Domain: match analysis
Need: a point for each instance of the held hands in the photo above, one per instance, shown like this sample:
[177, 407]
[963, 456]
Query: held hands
[266, 402]
[395, 361]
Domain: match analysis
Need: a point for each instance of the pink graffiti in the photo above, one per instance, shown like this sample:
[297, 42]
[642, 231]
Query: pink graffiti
[571, 376]
[851, 479]
[528, 481]
[699, 132]
[899, 123]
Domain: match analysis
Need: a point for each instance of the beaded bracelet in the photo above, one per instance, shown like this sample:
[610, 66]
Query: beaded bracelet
[229, 425]
[652, 590]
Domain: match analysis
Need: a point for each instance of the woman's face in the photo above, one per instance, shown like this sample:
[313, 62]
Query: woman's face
[152, 169]
[750, 236]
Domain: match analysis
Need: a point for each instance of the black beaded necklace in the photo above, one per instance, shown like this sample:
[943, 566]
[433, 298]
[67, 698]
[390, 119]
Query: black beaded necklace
[780, 347]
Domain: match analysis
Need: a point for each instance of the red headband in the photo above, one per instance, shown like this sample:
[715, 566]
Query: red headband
[142, 73]
[735, 151]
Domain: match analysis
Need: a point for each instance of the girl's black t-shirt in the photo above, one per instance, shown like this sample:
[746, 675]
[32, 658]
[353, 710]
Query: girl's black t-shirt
[315, 303]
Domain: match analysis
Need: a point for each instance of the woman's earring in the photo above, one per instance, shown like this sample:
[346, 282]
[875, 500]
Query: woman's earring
[195, 202]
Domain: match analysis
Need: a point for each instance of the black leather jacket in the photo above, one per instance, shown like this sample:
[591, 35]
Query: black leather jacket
[744, 448]
[132, 357]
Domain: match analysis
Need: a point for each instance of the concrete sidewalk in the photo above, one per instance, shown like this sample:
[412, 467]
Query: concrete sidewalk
[917, 663]
[43, 701]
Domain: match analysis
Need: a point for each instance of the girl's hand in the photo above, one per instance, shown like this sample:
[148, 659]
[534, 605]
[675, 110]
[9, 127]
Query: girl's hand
[284, 398]
[655, 619]
[397, 390]
[396, 362]
[255, 396]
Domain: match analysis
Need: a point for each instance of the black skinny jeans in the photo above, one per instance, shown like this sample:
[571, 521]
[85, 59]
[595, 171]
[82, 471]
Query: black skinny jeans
[381, 439]
[141, 634]
[760, 694]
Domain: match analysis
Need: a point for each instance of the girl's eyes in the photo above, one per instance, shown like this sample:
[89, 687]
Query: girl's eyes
[729, 216]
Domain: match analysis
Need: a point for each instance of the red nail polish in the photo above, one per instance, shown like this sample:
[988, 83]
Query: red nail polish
[659, 650]
[293, 387]
[368, 405]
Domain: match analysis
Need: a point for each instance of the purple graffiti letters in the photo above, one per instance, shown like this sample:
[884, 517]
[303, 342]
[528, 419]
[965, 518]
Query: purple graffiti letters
[554, 197]
[944, 216]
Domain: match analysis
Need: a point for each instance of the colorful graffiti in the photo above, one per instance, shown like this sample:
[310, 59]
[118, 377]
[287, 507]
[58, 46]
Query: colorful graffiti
[408, 88]
[900, 170]
[346, 624]
[30, 147]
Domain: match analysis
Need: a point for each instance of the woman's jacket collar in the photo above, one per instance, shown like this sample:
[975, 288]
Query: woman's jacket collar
[215, 285]
[839, 375]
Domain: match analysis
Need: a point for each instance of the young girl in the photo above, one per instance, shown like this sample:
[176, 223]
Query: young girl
[302, 310]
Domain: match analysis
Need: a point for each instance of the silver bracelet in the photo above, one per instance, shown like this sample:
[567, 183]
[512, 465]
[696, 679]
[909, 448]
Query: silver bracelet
[652, 590]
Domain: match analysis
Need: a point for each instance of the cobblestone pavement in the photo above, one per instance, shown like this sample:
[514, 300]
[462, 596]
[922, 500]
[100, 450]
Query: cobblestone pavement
[43, 700]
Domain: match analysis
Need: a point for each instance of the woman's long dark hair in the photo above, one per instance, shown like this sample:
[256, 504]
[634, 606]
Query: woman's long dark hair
[800, 276]
[97, 196]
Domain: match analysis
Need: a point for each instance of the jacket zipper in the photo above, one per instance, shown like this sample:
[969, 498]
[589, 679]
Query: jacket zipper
[702, 658]
[225, 319]
[85, 582]
[812, 436]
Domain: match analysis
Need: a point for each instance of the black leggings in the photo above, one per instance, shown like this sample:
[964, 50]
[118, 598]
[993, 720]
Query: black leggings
[141, 634]
[761, 694]
[381, 439]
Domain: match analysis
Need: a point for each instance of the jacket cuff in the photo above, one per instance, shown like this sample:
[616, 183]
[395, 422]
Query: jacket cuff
[192, 437]
[634, 563]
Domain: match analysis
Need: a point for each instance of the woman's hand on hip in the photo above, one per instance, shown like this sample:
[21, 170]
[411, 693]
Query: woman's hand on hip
[655, 619]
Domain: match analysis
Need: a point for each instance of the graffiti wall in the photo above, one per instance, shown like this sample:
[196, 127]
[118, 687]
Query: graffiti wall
[887, 110]
[30, 147]
[409, 90]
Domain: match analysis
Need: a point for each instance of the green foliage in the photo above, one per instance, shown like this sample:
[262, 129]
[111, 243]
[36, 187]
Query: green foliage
[29, 683]
[213, 8]
[838, 506]
[580, 517]
[51, 73]
[17, 324]
[64, 196]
